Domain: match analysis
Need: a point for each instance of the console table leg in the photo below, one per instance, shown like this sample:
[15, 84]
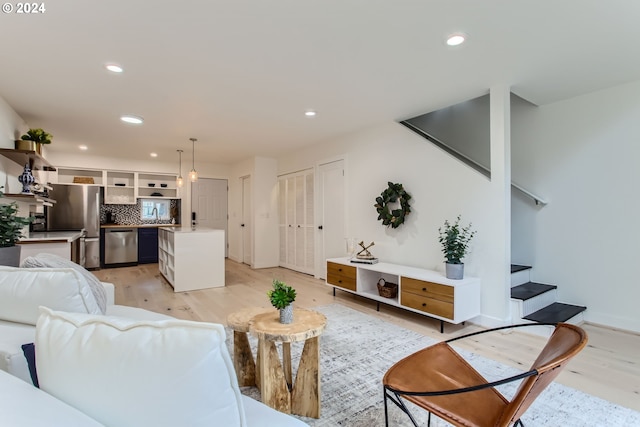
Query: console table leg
[441, 327]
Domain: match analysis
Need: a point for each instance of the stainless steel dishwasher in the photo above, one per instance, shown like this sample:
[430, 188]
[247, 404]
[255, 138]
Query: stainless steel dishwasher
[120, 246]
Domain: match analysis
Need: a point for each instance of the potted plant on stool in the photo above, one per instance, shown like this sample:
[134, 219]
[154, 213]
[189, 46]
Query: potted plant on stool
[282, 297]
[11, 226]
[455, 245]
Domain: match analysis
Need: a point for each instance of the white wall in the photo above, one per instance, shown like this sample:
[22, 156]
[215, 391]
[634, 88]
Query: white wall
[441, 188]
[583, 155]
[11, 127]
[264, 197]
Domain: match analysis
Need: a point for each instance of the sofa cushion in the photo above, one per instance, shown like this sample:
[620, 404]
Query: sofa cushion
[12, 336]
[45, 260]
[139, 373]
[23, 405]
[23, 290]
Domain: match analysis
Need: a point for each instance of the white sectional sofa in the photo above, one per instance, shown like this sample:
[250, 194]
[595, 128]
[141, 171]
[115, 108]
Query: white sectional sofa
[91, 363]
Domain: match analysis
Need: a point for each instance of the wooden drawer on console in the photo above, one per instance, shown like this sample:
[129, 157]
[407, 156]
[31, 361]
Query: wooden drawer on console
[428, 305]
[341, 275]
[427, 289]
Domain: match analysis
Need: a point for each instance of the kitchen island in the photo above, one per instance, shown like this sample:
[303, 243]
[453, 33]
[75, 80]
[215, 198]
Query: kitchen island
[65, 244]
[191, 258]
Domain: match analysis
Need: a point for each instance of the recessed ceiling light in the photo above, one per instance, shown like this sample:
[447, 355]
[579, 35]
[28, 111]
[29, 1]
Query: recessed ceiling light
[114, 68]
[310, 113]
[83, 147]
[132, 119]
[456, 39]
[154, 154]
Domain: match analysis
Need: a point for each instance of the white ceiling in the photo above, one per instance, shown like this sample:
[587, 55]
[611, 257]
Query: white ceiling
[239, 74]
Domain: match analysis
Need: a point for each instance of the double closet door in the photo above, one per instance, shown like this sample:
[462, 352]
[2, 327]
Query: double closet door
[296, 222]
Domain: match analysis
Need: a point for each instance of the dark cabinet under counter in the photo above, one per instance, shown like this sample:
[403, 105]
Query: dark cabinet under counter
[147, 245]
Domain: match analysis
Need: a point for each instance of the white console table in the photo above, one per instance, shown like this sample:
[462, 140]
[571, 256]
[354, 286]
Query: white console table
[422, 291]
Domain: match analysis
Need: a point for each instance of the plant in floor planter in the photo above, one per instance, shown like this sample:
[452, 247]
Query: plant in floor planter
[11, 226]
[455, 245]
[282, 297]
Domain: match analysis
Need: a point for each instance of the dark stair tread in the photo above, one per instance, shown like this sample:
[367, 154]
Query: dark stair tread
[530, 289]
[515, 268]
[556, 312]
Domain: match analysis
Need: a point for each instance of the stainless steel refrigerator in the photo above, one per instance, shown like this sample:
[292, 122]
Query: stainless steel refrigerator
[77, 207]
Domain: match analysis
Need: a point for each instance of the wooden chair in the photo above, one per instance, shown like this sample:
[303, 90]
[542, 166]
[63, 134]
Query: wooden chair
[440, 381]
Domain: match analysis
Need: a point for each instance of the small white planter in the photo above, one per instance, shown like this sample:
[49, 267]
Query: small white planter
[286, 314]
[454, 271]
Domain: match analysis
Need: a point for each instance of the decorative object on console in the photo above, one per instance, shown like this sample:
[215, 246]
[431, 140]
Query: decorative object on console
[387, 290]
[394, 194]
[26, 179]
[455, 245]
[38, 136]
[193, 175]
[11, 226]
[351, 246]
[282, 297]
[364, 256]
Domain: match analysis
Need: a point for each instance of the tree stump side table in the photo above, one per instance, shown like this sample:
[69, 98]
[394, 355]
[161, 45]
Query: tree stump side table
[242, 357]
[276, 386]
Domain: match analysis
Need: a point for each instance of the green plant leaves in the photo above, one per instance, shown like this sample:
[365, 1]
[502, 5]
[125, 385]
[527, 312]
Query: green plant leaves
[281, 295]
[455, 240]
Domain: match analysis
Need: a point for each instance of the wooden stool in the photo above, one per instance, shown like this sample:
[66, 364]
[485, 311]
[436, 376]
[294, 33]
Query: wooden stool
[242, 357]
[276, 386]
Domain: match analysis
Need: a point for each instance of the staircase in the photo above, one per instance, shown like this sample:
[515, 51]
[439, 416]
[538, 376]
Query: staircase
[537, 302]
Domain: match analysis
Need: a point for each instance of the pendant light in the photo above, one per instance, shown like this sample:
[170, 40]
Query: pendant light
[179, 180]
[193, 175]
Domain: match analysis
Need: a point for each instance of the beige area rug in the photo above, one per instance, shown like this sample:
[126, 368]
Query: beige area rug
[357, 349]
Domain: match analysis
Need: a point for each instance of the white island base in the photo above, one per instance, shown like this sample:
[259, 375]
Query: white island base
[191, 259]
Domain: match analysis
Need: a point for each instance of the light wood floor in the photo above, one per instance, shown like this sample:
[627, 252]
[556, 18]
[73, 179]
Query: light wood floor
[608, 367]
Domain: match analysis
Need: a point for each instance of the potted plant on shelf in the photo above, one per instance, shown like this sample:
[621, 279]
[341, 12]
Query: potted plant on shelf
[33, 137]
[282, 297]
[455, 245]
[11, 226]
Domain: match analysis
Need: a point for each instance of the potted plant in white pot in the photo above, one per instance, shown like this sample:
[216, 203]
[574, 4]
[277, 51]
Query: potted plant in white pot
[455, 245]
[282, 297]
[11, 226]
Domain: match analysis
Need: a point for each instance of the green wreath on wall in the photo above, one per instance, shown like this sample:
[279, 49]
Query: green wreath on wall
[394, 193]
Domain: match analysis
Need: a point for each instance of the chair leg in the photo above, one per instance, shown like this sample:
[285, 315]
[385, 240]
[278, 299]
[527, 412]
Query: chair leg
[386, 414]
[518, 423]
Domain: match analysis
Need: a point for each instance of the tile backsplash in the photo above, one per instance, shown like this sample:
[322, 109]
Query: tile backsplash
[130, 214]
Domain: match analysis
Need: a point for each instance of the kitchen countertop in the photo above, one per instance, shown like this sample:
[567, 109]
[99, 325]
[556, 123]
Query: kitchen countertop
[180, 229]
[136, 225]
[52, 236]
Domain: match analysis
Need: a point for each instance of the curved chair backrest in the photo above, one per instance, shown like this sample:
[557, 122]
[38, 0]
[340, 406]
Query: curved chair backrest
[565, 342]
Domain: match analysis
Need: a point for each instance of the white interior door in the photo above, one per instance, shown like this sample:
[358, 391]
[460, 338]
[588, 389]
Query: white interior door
[332, 222]
[246, 224]
[210, 203]
[296, 221]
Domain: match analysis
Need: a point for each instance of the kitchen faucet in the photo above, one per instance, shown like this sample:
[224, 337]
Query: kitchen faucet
[156, 211]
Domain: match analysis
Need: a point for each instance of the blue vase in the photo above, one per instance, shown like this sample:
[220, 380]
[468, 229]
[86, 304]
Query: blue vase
[26, 179]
